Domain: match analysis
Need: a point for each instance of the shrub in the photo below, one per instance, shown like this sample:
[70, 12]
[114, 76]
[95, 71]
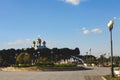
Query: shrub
[23, 58]
[45, 64]
[65, 65]
[115, 65]
[21, 65]
[108, 77]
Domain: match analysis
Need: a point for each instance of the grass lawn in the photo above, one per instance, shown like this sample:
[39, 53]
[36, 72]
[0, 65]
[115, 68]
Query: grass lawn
[110, 78]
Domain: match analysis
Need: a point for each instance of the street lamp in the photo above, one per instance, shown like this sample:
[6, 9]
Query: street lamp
[52, 56]
[110, 26]
[90, 50]
[90, 55]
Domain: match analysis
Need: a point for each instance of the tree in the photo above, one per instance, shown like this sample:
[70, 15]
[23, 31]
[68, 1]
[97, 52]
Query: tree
[102, 59]
[19, 59]
[55, 54]
[76, 51]
[1, 60]
[45, 53]
[23, 58]
[26, 58]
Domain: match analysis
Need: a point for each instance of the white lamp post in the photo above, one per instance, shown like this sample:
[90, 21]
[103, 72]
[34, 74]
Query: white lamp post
[110, 26]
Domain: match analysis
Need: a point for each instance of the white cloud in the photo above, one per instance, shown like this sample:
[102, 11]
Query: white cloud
[73, 2]
[116, 18]
[93, 31]
[19, 42]
[86, 32]
[96, 30]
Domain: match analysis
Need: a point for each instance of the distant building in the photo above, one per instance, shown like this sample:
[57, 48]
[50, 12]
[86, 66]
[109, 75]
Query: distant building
[37, 44]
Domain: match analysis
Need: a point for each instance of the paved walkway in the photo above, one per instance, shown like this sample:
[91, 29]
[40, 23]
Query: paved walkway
[56, 75]
[93, 78]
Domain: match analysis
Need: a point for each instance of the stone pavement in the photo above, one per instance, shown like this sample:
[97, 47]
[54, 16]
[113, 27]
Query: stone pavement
[97, 73]
[93, 78]
[93, 74]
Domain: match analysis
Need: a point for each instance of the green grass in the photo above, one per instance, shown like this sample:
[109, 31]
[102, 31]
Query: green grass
[108, 77]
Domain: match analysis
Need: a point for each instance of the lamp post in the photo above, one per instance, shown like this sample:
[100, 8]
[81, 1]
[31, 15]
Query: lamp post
[90, 50]
[110, 26]
[90, 56]
[52, 56]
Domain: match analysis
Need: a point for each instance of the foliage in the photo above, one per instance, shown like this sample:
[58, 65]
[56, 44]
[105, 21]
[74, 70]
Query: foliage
[23, 58]
[12, 56]
[102, 59]
[7, 57]
[89, 59]
[111, 78]
[19, 59]
[43, 60]
[116, 60]
[47, 64]
[26, 58]
[21, 65]
[50, 64]
[115, 65]
[65, 65]
[1, 60]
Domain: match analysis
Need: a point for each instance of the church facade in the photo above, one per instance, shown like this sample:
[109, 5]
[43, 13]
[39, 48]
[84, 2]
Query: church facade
[39, 44]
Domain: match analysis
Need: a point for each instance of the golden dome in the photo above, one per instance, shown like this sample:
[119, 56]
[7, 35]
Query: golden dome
[39, 41]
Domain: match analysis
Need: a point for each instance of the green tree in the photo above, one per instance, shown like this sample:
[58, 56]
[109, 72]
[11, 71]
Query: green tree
[23, 58]
[1, 60]
[102, 59]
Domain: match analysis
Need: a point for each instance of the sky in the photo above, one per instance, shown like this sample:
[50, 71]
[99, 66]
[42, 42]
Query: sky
[61, 23]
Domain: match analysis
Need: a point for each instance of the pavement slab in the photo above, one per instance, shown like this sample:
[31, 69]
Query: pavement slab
[92, 74]
[93, 78]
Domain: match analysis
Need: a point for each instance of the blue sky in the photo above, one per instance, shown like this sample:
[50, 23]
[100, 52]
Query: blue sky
[61, 23]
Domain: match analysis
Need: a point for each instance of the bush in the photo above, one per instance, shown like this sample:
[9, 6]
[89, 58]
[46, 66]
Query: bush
[108, 77]
[21, 65]
[65, 65]
[23, 58]
[46, 64]
[116, 65]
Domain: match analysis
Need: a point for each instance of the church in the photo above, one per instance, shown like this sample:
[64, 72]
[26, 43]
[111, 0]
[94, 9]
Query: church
[39, 44]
